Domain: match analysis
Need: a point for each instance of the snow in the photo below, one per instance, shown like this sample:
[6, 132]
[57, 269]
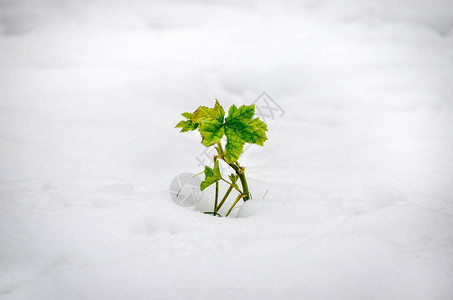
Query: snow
[356, 175]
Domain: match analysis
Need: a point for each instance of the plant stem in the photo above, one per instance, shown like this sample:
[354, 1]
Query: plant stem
[244, 183]
[235, 201]
[230, 188]
[235, 186]
[239, 171]
[220, 149]
[216, 191]
[212, 213]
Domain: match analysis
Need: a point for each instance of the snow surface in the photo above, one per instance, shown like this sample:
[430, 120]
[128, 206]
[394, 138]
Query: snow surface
[358, 172]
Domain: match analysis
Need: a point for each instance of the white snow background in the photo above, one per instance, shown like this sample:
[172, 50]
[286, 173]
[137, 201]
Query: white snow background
[358, 172]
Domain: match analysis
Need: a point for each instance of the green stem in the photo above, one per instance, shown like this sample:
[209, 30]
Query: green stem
[216, 191]
[212, 213]
[239, 171]
[235, 186]
[220, 149]
[230, 188]
[245, 187]
[235, 201]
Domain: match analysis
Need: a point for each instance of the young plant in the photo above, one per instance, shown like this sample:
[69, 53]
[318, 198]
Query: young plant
[239, 127]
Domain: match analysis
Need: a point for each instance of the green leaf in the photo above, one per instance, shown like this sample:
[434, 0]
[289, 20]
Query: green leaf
[187, 115]
[238, 126]
[218, 110]
[250, 131]
[208, 120]
[211, 120]
[211, 131]
[202, 113]
[234, 146]
[186, 125]
[233, 179]
[239, 129]
[258, 124]
[239, 114]
[211, 175]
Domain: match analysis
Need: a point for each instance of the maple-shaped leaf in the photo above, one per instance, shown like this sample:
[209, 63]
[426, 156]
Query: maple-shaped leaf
[250, 131]
[240, 128]
[211, 175]
[208, 120]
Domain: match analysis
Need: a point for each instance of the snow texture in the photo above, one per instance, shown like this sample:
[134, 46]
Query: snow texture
[357, 174]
